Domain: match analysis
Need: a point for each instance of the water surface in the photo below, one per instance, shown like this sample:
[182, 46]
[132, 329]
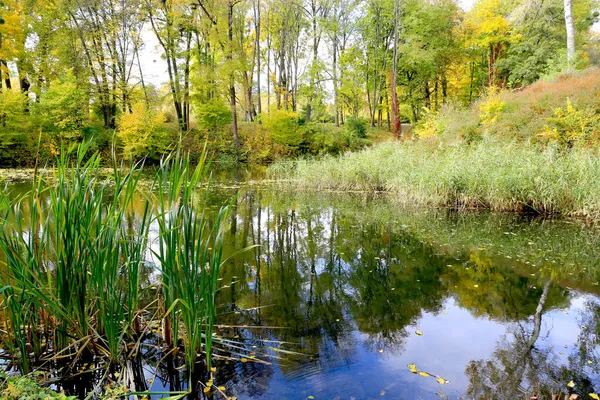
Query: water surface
[344, 291]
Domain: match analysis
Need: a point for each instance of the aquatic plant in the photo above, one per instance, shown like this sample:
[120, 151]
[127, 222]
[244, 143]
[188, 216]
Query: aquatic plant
[190, 252]
[74, 257]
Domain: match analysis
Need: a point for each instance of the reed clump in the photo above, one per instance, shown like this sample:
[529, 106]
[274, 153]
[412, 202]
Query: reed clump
[74, 258]
[491, 174]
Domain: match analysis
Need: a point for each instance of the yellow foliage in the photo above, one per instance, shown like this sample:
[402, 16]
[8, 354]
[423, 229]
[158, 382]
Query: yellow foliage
[140, 132]
[570, 125]
[491, 108]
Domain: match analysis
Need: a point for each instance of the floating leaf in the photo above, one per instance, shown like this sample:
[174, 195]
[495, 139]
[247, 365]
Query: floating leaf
[422, 373]
[206, 389]
[413, 368]
[382, 393]
[244, 359]
[571, 384]
[419, 333]
[594, 396]
[311, 397]
[441, 381]
[476, 286]
[222, 388]
[589, 361]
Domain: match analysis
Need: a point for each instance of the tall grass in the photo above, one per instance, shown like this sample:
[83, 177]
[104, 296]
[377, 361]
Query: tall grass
[190, 255]
[72, 282]
[491, 174]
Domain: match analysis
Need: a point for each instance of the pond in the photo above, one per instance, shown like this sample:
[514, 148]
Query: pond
[350, 296]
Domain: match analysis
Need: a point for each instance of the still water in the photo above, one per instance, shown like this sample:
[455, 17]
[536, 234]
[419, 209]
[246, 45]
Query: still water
[350, 296]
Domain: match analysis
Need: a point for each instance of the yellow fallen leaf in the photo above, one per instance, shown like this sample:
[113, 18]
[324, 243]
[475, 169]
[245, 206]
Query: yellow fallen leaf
[206, 389]
[422, 373]
[382, 393]
[441, 381]
[413, 368]
[571, 384]
[476, 286]
[222, 388]
[419, 333]
[209, 383]
[311, 397]
[213, 369]
[244, 359]
[589, 361]
[594, 396]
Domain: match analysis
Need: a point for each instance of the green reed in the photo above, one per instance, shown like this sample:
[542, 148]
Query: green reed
[190, 255]
[72, 282]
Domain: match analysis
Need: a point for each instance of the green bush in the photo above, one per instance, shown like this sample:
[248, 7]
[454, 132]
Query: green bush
[356, 127]
[212, 114]
[283, 128]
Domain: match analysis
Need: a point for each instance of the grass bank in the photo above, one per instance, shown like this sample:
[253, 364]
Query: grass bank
[501, 176]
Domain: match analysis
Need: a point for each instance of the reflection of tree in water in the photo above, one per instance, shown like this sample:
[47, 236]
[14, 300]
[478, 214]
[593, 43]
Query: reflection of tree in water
[317, 266]
[392, 286]
[497, 292]
[519, 366]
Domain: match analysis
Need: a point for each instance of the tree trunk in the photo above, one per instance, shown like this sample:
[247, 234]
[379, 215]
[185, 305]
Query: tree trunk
[258, 69]
[394, 76]
[570, 31]
[335, 75]
[537, 318]
[234, 122]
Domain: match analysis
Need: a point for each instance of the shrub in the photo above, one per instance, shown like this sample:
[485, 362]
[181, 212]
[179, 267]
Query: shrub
[213, 114]
[22, 387]
[282, 127]
[571, 125]
[141, 133]
[356, 126]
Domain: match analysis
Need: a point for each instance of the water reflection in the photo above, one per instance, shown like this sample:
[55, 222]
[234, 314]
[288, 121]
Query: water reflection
[339, 285]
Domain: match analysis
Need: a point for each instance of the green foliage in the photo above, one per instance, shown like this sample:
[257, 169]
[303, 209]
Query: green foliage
[283, 128]
[142, 134]
[80, 223]
[356, 126]
[25, 388]
[63, 109]
[212, 114]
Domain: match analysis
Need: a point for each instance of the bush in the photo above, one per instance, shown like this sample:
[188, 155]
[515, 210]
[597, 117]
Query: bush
[142, 134]
[571, 125]
[283, 128]
[356, 126]
[212, 114]
[535, 114]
